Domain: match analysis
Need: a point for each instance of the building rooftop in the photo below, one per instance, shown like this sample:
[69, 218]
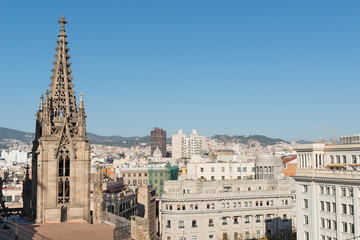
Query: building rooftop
[78, 231]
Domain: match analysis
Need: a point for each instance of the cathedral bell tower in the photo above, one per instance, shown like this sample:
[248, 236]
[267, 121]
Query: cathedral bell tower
[61, 150]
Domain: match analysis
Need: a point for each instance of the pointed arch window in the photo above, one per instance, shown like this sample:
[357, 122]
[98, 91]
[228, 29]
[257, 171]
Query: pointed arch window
[64, 176]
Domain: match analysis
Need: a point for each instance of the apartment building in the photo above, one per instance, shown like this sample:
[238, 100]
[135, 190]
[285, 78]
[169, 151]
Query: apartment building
[217, 170]
[328, 191]
[232, 209]
[186, 147]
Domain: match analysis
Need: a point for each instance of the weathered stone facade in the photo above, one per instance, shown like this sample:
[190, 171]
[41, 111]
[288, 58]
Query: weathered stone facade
[61, 150]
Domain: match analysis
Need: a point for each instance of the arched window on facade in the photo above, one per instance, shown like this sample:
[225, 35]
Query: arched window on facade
[64, 176]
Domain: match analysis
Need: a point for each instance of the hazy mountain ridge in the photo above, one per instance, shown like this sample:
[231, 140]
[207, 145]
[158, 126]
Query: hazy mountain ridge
[6, 133]
[244, 139]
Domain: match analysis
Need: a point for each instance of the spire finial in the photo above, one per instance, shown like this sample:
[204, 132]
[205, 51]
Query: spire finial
[42, 102]
[81, 100]
[62, 28]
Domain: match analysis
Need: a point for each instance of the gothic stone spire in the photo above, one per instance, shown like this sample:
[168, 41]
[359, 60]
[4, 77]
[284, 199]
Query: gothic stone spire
[62, 96]
[60, 181]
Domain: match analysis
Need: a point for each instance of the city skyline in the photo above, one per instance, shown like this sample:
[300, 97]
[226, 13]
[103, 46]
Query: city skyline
[279, 70]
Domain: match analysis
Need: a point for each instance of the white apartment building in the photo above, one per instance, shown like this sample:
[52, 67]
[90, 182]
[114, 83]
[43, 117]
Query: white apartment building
[13, 157]
[185, 147]
[328, 191]
[216, 170]
[224, 210]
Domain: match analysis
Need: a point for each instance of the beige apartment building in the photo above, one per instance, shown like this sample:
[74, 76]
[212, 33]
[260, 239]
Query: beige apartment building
[233, 209]
[217, 170]
[328, 190]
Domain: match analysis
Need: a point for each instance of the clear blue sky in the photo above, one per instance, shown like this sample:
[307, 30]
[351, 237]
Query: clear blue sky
[277, 68]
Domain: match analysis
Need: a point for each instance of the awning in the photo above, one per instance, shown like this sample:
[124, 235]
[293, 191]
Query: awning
[336, 165]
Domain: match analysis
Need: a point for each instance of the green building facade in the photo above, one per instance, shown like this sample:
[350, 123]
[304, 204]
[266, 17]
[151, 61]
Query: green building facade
[158, 176]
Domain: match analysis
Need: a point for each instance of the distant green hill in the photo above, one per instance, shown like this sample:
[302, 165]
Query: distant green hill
[245, 139]
[6, 133]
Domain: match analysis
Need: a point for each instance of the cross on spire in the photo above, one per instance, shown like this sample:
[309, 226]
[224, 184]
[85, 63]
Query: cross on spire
[62, 28]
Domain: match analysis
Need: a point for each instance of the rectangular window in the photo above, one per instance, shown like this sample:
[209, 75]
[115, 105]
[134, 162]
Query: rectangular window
[351, 209]
[183, 207]
[307, 235]
[244, 169]
[224, 221]
[343, 192]
[344, 158]
[211, 222]
[344, 227]
[322, 221]
[328, 206]
[328, 223]
[334, 207]
[257, 233]
[212, 169]
[257, 218]
[352, 228]
[328, 190]
[236, 220]
[351, 193]
[306, 204]
[306, 219]
[181, 223]
[223, 169]
[343, 208]
[285, 217]
[207, 206]
[334, 225]
[337, 158]
[202, 169]
[247, 219]
[239, 169]
[213, 206]
[353, 157]
[168, 225]
[211, 237]
[178, 207]
[305, 188]
[321, 189]
[225, 236]
[193, 224]
[196, 206]
[332, 159]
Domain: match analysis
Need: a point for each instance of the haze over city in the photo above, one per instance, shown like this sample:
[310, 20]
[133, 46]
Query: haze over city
[242, 67]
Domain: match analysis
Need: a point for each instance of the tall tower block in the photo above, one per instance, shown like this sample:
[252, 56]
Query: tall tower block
[61, 150]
